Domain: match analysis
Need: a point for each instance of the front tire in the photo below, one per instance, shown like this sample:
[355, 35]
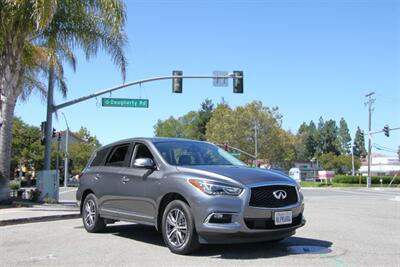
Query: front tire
[92, 221]
[178, 228]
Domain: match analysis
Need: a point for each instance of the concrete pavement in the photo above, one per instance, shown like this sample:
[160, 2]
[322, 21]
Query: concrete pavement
[66, 209]
[349, 227]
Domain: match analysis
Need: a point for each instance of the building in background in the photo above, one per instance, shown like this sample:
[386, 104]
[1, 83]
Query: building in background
[308, 169]
[381, 165]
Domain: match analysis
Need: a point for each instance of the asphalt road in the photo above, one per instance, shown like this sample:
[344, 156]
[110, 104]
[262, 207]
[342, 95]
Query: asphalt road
[344, 228]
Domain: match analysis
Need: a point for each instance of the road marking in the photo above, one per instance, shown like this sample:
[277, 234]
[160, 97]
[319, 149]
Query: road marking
[363, 192]
[397, 198]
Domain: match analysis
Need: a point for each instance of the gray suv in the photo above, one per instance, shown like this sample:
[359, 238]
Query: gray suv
[193, 193]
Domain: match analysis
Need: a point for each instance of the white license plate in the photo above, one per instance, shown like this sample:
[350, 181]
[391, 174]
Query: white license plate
[283, 217]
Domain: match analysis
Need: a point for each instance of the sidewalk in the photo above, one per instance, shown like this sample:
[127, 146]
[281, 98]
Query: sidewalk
[38, 213]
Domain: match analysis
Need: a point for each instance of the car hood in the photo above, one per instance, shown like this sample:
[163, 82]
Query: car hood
[243, 175]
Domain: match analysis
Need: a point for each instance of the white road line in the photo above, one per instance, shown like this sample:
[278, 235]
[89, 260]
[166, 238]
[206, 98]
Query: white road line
[363, 193]
[397, 198]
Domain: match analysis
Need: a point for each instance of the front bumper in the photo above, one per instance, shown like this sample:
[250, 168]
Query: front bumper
[248, 224]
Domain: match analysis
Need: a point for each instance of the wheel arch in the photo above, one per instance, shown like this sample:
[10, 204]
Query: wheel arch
[166, 199]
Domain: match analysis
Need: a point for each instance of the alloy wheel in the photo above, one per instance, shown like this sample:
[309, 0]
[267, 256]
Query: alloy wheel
[90, 212]
[176, 227]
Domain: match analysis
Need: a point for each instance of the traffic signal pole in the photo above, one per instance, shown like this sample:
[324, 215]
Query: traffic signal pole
[118, 87]
[53, 108]
[49, 120]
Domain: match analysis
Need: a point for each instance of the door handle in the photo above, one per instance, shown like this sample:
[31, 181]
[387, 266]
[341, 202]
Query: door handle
[97, 176]
[125, 180]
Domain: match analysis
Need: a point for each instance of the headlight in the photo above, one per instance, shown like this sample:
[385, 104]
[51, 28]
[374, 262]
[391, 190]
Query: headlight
[211, 188]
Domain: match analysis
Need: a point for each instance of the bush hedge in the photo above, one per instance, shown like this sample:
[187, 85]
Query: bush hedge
[344, 179]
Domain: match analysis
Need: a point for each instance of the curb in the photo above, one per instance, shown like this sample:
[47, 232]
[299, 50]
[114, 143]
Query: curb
[39, 219]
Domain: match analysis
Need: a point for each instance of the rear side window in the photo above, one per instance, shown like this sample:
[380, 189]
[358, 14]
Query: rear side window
[100, 157]
[117, 156]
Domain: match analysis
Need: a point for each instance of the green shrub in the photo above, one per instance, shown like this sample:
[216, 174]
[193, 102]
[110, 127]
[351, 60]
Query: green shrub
[323, 184]
[356, 179]
[35, 195]
[14, 185]
[49, 200]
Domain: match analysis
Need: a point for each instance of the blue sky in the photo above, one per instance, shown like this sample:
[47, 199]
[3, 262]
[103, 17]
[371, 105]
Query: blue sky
[309, 58]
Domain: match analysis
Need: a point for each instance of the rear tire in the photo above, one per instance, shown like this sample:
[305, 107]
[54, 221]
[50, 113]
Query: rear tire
[178, 228]
[92, 221]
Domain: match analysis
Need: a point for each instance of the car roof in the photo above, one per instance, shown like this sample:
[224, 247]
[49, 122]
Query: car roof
[149, 139]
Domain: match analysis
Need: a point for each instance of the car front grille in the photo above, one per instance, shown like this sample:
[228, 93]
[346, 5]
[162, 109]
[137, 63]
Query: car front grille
[272, 196]
[268, 224]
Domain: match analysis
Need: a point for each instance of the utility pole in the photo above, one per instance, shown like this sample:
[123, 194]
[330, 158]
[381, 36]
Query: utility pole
[370, 101]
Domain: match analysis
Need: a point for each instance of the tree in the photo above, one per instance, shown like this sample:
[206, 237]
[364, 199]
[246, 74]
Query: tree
[171, 127]
[307, 141]
[26, 146]
[328, 138]
[192, 125]
[80, 153]
[344, 137]
[28, 25]
[340, 164]
[204, 116]
[223, 116]
[237, 127]
[84, 134]
[359, 144]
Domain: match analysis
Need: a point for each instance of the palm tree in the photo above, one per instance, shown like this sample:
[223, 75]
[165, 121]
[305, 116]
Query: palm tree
[38, 36]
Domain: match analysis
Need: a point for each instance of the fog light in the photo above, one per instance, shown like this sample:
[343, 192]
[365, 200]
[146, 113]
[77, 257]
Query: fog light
[220, 218]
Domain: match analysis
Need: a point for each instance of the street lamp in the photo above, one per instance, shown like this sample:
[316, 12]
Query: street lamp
[66, 152]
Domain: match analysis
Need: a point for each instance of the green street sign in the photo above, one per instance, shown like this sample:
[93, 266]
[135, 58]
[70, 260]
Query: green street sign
[124, 102]
[236, 154]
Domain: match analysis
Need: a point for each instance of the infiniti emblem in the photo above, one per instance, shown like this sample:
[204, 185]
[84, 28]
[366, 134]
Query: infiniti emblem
[279, 194]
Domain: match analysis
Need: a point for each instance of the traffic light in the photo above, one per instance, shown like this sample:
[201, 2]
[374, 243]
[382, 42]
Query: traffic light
[226, 147]
[43, 132]
[59, 136]
[54, 133]
[386, 130]
[177, 82]
[238, 82]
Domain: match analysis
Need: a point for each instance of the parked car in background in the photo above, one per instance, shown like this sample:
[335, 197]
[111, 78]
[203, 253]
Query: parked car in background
[192, 192]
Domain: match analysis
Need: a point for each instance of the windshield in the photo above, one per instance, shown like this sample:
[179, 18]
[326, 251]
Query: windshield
[187, 153]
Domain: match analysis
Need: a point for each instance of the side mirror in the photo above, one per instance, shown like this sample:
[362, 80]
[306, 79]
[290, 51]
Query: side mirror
[144, 163]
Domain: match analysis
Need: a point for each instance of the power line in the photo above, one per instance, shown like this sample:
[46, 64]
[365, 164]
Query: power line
[380, 147]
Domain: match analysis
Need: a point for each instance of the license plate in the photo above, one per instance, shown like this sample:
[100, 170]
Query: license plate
[283, 217]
